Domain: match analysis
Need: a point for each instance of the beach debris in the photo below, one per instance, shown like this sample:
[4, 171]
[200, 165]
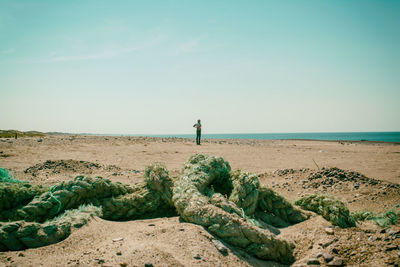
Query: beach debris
[5, 176]
[14, 194]
[198, 196]
[230, 205]
[328, 207]
[220, 247]
[336, 262]
[197, 256]
[20, 234]
[327, 256]
[313, 261]
[391, 247]
[329, 230]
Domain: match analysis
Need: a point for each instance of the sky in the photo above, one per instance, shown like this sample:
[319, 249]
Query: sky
[155, 67]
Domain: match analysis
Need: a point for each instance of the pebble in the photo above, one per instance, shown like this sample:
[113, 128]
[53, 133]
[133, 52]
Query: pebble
[100, 261]
[313, 261]
[327, 244]
[392, 232]
[220, 247]
[123, 264]
[197, 256]
[391, 247]
[118, 239]
[148, 264]
[329, 231]
[336, 262]
[119, 253]
[327, 256]
[21, 254]
[151, 224]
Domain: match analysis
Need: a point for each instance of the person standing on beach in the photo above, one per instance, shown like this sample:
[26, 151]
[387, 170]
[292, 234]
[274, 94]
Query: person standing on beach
[198, 131]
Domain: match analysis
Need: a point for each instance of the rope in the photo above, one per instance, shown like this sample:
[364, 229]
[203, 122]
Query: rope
[53, 197]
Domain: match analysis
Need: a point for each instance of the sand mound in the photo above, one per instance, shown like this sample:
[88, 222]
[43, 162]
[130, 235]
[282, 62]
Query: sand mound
[333, 176]
[62, 166]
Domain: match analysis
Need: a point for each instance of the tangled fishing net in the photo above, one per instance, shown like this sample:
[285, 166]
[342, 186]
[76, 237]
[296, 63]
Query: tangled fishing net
[230, 205]
[384, 219]
[5, 176]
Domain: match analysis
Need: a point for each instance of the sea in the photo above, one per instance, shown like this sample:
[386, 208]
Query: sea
[332, 136]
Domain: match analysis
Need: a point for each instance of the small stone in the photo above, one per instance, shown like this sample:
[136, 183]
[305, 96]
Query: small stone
[391, 247]
[151, 224]
[313, 261]
[148, 264]
[334, 250]
[21, 254]
[119, 253]
[329, 231]
[197, 256]
[392, 232]
[336, 262]
[327, 256]
[118, 239]
[220, 247]
[327, 244]
[319, 254]
[123, 264]
[372, 238]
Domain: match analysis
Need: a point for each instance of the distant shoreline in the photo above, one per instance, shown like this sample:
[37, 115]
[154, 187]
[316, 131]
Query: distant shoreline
[387, 137]
[361, 137]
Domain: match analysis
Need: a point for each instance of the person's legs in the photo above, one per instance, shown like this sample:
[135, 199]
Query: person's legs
[198, 136]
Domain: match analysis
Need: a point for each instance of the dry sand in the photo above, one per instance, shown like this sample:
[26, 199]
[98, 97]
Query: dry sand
[169, 242]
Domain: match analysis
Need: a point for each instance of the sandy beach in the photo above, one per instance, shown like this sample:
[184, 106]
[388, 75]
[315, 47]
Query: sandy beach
[283, 165]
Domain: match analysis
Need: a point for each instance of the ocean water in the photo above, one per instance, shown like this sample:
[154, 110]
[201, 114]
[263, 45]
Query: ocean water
[337, 136]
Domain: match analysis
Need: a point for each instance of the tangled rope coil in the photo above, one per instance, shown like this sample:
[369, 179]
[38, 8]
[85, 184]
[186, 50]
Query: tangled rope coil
[230, 205]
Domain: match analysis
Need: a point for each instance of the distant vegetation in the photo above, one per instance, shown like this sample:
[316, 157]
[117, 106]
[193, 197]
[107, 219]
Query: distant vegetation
[11, 133]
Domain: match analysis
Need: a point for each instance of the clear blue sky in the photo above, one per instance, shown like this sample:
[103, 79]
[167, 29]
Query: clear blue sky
[240, 66]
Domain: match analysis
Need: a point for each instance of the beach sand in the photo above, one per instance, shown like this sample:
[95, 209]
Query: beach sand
[283, 165]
